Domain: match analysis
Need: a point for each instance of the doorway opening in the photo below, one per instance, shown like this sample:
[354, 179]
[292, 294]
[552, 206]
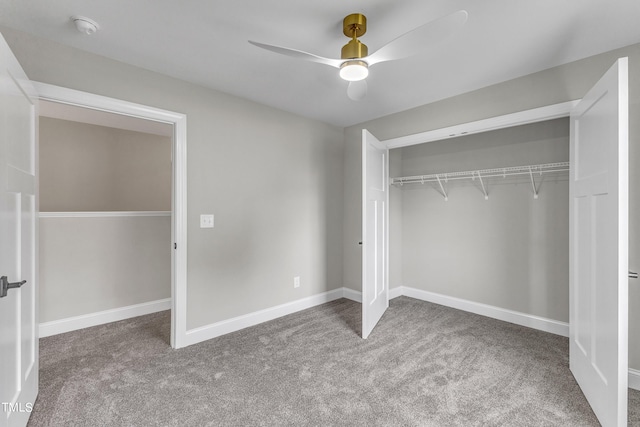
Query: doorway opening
[598, 233]
[141, 228]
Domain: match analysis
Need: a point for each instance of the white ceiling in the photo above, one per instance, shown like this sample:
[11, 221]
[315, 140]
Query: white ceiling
[205, 42]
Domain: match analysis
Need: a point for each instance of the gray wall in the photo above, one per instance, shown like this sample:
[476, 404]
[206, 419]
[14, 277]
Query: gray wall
[273, 180]
[560, 84]
[511, 251]
[85, 167]
[93, 264]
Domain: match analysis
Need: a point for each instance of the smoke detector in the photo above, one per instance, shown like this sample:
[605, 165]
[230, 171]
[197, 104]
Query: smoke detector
[85, 25]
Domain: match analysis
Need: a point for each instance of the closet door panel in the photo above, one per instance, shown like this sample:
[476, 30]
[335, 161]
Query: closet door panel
[375, 208]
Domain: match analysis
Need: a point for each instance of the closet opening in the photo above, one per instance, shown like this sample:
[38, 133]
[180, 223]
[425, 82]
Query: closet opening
[532, 262]
[105, 216]
[122, 178]
[484, 218]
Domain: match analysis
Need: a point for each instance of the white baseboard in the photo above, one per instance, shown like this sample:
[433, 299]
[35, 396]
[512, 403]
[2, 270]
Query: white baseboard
[349, 293]
[214, 330]
[357, 295]
[522, 319]
[69, 324]
[395, 292]
[634, 379]
[528, 320]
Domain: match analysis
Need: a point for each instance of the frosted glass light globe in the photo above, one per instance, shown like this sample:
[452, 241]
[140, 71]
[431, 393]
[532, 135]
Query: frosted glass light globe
[353, 71]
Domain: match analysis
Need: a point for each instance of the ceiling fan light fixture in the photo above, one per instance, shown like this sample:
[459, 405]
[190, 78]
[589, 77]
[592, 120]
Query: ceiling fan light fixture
[354, 70]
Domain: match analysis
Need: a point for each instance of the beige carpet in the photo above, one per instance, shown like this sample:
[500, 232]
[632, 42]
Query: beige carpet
[424, 365]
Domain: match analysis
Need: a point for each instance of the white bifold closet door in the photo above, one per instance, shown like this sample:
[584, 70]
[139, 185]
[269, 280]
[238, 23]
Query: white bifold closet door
[375, 234]
[599, 245]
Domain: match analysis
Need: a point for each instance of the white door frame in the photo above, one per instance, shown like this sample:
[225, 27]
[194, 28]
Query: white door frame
[534, 115]
[179, 194]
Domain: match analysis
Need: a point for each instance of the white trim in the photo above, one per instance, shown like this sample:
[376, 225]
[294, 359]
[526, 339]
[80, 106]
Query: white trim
[349, 293]
[223, 327]
[207, 332]
[110, 214]
[179, 185]
[179, 236]
[103, 103]
[69, 324]
[522, 319]
[634, 379]
[395, 292]
[534, 115]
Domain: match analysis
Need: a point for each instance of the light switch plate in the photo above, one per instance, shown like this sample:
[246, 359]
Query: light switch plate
[206, 221]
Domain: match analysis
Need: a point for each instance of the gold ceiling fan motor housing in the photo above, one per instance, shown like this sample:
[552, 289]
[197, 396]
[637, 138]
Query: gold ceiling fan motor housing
[354, 68]
[354, 26]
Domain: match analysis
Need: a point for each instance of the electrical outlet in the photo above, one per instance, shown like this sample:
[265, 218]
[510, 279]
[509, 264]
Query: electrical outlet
[206, 221]
[296, 282]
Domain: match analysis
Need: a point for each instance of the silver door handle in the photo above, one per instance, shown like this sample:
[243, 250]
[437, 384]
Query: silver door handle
[5, 285]
[633, 275]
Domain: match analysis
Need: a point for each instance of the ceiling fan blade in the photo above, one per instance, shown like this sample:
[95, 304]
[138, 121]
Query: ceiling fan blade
[357, 90]
[293, 53]
[419, 39]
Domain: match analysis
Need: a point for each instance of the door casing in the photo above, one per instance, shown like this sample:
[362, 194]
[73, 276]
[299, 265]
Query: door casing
[179, 186]
[535, 115]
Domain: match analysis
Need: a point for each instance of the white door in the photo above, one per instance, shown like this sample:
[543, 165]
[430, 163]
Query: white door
[18, 315]
[599, 246]
[375, 201]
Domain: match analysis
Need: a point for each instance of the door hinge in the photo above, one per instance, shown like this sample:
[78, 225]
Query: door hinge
[175, 246]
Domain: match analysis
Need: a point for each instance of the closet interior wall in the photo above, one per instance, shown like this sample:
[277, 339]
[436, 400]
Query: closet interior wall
[510, 251]
[105, 220]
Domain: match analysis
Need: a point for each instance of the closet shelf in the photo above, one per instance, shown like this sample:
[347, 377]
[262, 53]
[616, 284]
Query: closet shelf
[443, 178]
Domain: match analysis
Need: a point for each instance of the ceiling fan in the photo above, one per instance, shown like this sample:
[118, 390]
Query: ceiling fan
[355, 59]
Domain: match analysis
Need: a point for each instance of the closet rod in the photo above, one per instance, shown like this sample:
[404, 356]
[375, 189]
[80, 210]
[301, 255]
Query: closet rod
[484, 173]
